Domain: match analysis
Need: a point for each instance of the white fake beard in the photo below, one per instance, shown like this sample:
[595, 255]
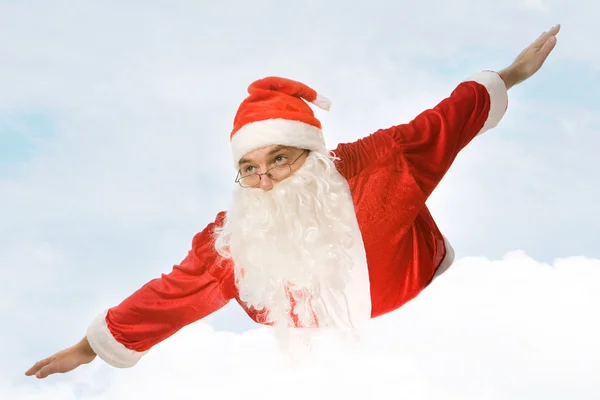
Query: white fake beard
[292, 242]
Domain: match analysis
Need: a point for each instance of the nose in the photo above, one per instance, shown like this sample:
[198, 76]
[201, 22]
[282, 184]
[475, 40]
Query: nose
[266, 183]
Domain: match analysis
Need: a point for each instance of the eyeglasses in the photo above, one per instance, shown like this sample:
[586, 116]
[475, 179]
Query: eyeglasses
[276, 173]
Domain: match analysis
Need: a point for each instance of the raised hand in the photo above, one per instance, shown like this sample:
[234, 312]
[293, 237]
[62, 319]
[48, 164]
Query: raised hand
[63, 361]
[531, 59]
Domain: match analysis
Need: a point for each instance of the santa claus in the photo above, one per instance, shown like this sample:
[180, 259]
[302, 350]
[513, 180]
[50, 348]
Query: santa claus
[313, 239]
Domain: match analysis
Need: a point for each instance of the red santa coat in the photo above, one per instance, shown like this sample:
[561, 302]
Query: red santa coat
[391, 174]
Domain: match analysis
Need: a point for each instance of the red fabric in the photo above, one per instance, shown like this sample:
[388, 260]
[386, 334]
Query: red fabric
[391, 174]
[191, 291]
[274, 97]
[283, 85]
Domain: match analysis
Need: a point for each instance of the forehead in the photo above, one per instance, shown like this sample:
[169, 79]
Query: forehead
[264, 152]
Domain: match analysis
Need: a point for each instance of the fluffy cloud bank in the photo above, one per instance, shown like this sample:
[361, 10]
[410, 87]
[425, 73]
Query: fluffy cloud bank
[511, 328]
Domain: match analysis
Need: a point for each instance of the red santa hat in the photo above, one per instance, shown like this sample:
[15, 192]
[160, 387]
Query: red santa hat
[276, 112]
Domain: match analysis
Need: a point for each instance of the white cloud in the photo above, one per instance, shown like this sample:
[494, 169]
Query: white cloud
[580, 123]
[536, 5]
[494, 329]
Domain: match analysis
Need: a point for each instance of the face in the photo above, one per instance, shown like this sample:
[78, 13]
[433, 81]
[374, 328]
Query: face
[291, 243]
[265, 167]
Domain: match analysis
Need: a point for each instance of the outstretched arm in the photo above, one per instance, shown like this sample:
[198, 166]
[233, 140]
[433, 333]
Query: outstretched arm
[431, 142]
[123, 334]
[433, 139]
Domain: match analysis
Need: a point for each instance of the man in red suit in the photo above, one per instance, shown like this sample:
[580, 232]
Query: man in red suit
[313, 238]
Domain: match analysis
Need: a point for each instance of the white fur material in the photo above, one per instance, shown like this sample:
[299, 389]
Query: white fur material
[259, 134]
[498, 97]
[322, 102]
[106, 346]
[358, 288]
[268, 235]
[357, 293]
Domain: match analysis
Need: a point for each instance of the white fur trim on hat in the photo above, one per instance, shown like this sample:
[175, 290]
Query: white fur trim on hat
[322, 102]
[259, 134]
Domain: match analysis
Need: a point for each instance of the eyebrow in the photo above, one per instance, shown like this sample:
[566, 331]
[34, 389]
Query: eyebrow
[269, 154]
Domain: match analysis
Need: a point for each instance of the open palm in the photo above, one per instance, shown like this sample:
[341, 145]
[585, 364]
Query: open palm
[531, 59]
[61, 362]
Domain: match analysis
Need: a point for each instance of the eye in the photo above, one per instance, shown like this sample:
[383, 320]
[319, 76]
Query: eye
[248, 170]
[280, 158]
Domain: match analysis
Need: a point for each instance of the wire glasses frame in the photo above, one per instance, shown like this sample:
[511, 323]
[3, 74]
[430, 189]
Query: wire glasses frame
[276, 173]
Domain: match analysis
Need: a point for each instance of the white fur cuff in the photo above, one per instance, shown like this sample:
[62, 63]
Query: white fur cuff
[275, 131]
[498, 97]
[106, 346]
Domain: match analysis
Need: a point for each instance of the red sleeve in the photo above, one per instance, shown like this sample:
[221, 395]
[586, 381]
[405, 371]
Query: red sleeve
[434, 138]
[161, 307]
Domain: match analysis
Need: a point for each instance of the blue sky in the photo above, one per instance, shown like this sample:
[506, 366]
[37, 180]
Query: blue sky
[114, 119]
[21, 135]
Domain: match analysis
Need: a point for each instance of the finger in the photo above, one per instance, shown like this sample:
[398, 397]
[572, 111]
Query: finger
[547, 47]
[539, 42]
[47, 370]
[539, 37]
[38, 365]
